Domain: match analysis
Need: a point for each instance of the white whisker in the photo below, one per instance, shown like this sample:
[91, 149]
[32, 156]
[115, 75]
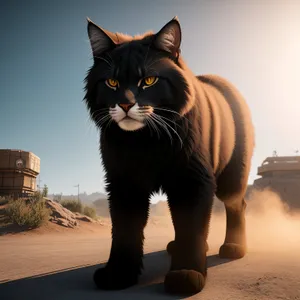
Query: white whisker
[107, 125]
[173, 121]
[153, 125]
[101, 121]
[174, 112]
[147, 121]
[158, 121]
[89, 125]
[159, 117]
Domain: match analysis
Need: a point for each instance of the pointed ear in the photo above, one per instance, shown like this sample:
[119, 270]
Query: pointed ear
[99, 38]
[169, 37]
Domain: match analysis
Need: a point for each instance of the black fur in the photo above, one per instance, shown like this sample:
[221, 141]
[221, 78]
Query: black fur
[205, 148]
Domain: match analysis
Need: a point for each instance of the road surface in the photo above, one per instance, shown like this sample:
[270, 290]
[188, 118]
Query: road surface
[60, 266]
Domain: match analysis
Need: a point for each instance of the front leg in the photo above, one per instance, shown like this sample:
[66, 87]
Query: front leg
[129, 205]
[190, 202]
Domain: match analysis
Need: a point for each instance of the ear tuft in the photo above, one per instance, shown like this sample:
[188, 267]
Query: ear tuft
[176, 19]
[169, 37]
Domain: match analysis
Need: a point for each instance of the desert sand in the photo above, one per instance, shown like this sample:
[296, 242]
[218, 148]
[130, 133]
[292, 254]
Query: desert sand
[52, 263]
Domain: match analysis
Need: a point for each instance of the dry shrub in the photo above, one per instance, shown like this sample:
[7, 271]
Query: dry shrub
[90, 212]
[72, 205]
[29, 213]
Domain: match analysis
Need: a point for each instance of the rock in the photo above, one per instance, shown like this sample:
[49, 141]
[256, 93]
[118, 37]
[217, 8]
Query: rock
[60, 215]
[64, 217]
[84, 218]
[64, 222]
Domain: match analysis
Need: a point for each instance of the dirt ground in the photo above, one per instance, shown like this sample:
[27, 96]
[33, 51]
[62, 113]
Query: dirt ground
[54, 262]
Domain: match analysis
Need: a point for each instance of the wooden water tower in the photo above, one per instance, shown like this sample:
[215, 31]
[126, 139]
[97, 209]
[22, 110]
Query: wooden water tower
[18, 172]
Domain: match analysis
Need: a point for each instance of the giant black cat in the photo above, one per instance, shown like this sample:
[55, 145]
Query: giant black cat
[162, 127]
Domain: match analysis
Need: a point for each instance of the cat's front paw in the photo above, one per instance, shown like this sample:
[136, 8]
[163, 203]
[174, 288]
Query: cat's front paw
[184, 282]
[109, 279]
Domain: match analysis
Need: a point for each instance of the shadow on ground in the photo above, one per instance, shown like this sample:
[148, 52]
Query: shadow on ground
[77, 284]
[7, 227]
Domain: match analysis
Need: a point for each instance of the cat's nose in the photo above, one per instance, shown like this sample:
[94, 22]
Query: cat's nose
[126, 107]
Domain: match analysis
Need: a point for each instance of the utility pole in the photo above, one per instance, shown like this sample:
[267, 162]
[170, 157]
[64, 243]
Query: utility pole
[78, 191]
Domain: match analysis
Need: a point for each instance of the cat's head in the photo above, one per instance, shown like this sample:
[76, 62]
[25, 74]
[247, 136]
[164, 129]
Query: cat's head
[135, 81]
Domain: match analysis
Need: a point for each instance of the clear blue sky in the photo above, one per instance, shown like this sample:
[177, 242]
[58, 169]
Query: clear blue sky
[45, 54]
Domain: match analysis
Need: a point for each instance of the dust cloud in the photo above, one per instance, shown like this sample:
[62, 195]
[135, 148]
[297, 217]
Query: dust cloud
[271, 226]
[270, 223]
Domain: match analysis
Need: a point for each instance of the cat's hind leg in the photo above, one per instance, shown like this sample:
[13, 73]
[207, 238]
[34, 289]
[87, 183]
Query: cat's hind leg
[231, 189]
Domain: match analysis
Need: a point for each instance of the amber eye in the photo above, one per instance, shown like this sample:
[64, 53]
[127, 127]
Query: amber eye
[150, 80]
[112, 83]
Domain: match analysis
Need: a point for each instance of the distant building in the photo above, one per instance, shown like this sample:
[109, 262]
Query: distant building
[18, 172]
[282, 175]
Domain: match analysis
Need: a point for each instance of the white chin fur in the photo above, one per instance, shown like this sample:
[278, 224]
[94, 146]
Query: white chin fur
[130, 124]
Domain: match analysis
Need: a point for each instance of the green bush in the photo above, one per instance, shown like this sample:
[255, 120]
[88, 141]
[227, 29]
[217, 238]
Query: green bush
[28, 213]
[72, 205]
[90, 212]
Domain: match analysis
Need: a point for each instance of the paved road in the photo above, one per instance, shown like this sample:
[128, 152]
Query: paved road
[61, 268]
